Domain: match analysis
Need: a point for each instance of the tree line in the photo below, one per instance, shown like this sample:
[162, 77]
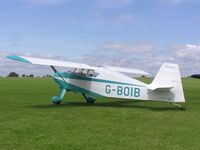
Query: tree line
[14, 74]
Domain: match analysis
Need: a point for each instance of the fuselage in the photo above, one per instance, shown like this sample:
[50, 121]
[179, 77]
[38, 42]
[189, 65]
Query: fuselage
[106, 83]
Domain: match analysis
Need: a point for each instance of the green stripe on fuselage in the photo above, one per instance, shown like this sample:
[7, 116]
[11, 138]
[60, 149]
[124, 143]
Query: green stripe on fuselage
[82, 77]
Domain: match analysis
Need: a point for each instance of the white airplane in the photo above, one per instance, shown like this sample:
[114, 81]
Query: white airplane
[109, 81]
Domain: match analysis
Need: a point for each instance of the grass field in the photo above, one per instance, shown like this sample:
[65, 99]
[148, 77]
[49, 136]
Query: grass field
[28, 120]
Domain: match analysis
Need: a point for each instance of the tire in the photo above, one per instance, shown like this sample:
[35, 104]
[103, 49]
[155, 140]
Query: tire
[56, 100]
[90, 100]
[182, 108]
[57, 103]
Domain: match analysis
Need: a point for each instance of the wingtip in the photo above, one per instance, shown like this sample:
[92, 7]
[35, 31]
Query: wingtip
[9, 56]
[18, 58]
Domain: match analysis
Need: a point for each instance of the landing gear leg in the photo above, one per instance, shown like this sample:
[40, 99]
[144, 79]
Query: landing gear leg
[182, 108]
[58, 99]
[89, 100]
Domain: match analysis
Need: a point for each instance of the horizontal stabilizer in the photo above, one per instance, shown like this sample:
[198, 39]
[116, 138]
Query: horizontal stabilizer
[155, 87]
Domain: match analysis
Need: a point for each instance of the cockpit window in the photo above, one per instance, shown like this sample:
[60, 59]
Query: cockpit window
[92, 73]
[85, 72]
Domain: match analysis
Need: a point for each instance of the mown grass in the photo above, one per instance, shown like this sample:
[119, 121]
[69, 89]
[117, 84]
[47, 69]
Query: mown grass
[28, 120]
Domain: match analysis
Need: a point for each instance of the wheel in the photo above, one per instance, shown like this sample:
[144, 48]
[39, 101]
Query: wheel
[57, 103]
[56, 100]
[182, 108]
[90, 100]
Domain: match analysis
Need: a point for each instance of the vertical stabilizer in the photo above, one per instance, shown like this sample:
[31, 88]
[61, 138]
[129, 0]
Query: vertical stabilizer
[167, 84]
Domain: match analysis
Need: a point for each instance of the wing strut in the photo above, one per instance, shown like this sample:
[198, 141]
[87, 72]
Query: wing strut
[58, 99]
[54, 69]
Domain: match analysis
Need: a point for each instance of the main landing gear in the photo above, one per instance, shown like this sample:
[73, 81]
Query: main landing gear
[182, 108]
[58, 99]
[88, 99]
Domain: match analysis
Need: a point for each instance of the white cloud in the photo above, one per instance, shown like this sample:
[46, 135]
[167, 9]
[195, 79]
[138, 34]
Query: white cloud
[142, 56]
[149, 64]
[188, 56]
[190, 52]
[141, 48]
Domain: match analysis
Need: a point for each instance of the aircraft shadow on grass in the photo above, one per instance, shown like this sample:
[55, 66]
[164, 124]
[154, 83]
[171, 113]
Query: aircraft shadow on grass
[114, 104]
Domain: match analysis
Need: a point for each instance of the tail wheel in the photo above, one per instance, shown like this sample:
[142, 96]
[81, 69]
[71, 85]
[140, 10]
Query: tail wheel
[182, 108]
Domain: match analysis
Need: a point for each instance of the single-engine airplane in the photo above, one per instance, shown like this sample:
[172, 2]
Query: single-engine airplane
[110, 81]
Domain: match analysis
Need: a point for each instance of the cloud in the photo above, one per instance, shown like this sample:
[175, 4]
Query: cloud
[149, 64]
[188, 56]
[189, 52]
[144, 56]
[131, 48]
[141, 56]
[117, 54]
[133, 55]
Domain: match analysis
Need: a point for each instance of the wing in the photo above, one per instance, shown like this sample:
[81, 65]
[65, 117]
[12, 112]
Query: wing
[49, 62]
[126, 70]
[57, 63]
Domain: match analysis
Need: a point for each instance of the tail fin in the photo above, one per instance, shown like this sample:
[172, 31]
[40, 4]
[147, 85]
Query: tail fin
[167, 84]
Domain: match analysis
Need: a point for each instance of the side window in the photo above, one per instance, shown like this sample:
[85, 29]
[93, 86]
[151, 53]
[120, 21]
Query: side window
[72, 70]
[92, 73]
[77, 70]
[86, 72]
[96, 74]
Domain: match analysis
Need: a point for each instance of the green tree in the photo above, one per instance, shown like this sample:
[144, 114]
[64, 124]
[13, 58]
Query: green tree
[13, 74]
[31, 75]
[48, 76]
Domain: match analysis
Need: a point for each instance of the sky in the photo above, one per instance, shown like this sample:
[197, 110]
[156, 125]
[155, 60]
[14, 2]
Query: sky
[129, 33]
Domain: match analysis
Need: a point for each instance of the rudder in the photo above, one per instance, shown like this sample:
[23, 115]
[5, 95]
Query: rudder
[167, 84]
